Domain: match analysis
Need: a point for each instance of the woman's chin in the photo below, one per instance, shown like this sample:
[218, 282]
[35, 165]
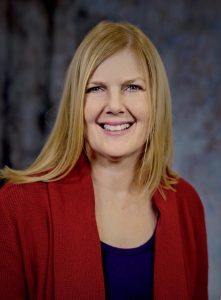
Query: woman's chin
[115, 156]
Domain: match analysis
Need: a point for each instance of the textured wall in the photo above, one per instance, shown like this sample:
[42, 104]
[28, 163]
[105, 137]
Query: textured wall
[37, 41]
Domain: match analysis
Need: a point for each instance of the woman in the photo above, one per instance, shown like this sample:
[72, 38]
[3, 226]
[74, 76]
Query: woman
[100, 213]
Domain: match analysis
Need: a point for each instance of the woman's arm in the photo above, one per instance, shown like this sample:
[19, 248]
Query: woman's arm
[12, 279]
[201, 281]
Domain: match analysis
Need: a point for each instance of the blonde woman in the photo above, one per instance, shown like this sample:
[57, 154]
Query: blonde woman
[100, 214]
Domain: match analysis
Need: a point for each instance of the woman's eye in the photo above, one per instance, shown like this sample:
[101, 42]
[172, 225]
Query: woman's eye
[133, 87]
[94, 89]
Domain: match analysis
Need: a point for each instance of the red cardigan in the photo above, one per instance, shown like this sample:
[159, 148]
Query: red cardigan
[50, 248]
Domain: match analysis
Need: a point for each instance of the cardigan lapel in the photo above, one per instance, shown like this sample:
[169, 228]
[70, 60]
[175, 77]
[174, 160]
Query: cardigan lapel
[169, 270]
[78, 270]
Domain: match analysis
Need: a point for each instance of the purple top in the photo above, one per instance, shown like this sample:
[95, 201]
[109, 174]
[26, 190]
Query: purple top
[128, 273]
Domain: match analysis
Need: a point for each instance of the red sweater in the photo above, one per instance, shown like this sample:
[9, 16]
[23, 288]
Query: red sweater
[50, 247]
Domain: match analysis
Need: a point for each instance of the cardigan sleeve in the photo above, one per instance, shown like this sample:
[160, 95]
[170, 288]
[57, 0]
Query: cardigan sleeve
[194, 211]
[12, 279]
[201, 281]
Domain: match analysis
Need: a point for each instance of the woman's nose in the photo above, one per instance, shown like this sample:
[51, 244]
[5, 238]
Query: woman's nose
[115, 102]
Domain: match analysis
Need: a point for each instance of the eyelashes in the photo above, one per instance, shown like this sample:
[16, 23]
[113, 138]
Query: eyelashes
[93, 89]
[134, 87]
[129, 88]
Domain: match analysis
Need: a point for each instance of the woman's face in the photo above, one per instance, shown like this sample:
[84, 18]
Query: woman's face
[116, 107]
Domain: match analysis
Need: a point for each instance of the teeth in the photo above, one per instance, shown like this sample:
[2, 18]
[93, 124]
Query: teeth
[116, 127]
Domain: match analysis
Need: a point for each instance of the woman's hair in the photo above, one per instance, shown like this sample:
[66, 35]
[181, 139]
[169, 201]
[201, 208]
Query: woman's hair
[66, 141]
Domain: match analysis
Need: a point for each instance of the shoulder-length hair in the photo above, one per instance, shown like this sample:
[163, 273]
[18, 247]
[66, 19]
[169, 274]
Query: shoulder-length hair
[66, 141]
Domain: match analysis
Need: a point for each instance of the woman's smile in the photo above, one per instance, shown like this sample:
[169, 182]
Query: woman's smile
[116, 128]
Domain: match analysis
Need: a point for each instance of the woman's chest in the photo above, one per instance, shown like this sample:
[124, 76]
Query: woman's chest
[125, 227]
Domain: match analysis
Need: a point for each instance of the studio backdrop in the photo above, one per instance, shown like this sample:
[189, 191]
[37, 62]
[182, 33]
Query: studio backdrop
[37, 41]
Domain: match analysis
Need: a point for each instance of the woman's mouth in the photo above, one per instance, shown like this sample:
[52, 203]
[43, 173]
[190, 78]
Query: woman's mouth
[116, 127]
[119, 127]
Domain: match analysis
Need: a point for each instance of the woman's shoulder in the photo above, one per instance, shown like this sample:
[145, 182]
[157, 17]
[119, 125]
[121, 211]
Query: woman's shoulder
[188, 198]
[13, 190]
[19, 199]
[185, 189]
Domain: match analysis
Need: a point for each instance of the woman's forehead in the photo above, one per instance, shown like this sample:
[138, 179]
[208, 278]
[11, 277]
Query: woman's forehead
[124, 63]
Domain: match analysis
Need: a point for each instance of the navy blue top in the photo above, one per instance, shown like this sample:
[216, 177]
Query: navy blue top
[128, 273]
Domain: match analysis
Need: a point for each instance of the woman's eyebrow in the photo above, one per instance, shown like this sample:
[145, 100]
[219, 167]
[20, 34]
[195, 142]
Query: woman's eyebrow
[133, 80]
[128, 81]
[97, 82]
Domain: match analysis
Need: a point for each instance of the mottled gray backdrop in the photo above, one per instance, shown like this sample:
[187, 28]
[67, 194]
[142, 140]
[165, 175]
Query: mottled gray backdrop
[37, 41]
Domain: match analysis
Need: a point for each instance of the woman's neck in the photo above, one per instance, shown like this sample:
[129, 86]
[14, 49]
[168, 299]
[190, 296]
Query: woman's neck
[113, 186]
[113, 175]
[113, 180]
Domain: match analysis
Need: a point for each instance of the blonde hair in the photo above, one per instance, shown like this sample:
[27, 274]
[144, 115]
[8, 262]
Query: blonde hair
[66, 141]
